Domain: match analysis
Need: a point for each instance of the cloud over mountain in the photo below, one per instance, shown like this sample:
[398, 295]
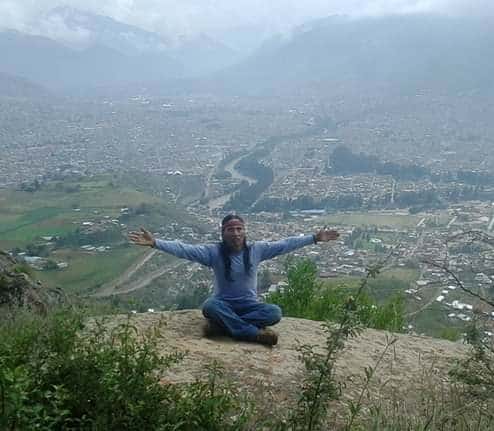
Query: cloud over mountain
[192, 17]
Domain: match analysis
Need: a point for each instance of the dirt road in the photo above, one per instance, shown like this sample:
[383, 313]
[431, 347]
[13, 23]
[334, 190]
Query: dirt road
[108, 288]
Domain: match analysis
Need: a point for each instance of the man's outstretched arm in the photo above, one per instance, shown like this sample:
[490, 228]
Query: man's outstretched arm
[194, 253]
[276, 248]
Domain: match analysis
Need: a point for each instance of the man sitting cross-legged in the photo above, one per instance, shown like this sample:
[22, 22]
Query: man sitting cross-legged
[234, 308]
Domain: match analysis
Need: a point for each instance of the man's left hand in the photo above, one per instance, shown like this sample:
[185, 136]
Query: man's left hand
[325, 235]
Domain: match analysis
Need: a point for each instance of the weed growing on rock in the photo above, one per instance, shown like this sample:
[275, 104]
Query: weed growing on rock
[319, 384]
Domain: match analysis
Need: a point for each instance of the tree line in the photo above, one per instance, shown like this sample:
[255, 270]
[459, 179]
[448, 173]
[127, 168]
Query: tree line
[343, 161]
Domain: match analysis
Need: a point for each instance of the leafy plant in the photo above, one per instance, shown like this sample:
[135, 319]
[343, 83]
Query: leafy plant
[306, 297]
[60, 372]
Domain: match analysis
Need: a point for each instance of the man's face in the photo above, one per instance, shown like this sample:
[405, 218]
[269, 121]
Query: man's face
[234, 235]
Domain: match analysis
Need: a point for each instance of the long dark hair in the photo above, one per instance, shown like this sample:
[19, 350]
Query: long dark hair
[226, 251]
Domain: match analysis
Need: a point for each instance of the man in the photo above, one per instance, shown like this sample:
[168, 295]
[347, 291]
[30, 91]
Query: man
[234, 308]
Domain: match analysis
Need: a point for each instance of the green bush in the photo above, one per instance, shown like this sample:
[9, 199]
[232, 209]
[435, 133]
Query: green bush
[305, 297]
[451, 334]
[59, 373]
[298, 298]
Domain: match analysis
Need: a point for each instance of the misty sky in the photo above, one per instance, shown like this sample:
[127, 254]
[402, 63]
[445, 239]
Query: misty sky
[189, 17]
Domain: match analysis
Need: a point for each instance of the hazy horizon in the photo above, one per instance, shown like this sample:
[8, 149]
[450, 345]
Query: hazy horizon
[217, 18]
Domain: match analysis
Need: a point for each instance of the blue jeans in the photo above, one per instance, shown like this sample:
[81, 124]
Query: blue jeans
[241, 319]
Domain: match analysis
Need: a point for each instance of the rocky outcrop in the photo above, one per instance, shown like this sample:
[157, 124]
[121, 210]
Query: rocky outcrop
[274, 374]
[17, 287]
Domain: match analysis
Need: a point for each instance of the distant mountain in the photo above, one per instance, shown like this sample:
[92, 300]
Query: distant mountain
[202, 55]
[245, 38]
[408, 52]
[57, 66]
[13, 86]
[79, 49]
[195, 55]
[80, 29]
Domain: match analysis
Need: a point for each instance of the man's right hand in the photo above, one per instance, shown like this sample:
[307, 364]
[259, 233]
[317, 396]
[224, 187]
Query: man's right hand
[144, 237]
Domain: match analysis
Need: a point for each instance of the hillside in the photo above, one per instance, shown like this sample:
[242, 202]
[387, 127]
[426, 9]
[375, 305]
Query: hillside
[16, 87]
[17, 287]
[56, 66]
[171, 376]
[274, 375]
[61, 216]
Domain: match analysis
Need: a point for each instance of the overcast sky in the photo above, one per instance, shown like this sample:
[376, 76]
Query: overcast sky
[213, 16]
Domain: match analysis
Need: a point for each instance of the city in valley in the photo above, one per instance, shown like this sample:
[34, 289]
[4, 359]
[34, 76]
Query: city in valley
[400, 185]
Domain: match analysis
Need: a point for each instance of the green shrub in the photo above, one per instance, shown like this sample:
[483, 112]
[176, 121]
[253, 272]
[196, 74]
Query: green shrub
[305, 297]
[297, 299]
[59, 373]
[23, 268]
[451, 334]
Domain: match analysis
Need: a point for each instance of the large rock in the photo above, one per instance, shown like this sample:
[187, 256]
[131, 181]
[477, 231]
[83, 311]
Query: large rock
[18, 288]
[275, 373]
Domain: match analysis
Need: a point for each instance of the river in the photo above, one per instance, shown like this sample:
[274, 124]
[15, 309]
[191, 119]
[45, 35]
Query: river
[219, 201]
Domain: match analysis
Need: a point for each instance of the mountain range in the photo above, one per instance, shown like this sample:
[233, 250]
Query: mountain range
[406, 52]
[413, 52]
[77, 49]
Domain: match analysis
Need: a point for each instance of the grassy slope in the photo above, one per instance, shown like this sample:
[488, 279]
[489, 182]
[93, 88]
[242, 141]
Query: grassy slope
[25, 217]
[392, 279]
[89, 270]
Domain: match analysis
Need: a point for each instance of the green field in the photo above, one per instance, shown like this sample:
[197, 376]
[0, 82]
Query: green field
[89, 270]
[387, 283]
[404, 274]
[370, 219]
[57, 209]
[26, 216]
[380, 219]
[434, 322]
